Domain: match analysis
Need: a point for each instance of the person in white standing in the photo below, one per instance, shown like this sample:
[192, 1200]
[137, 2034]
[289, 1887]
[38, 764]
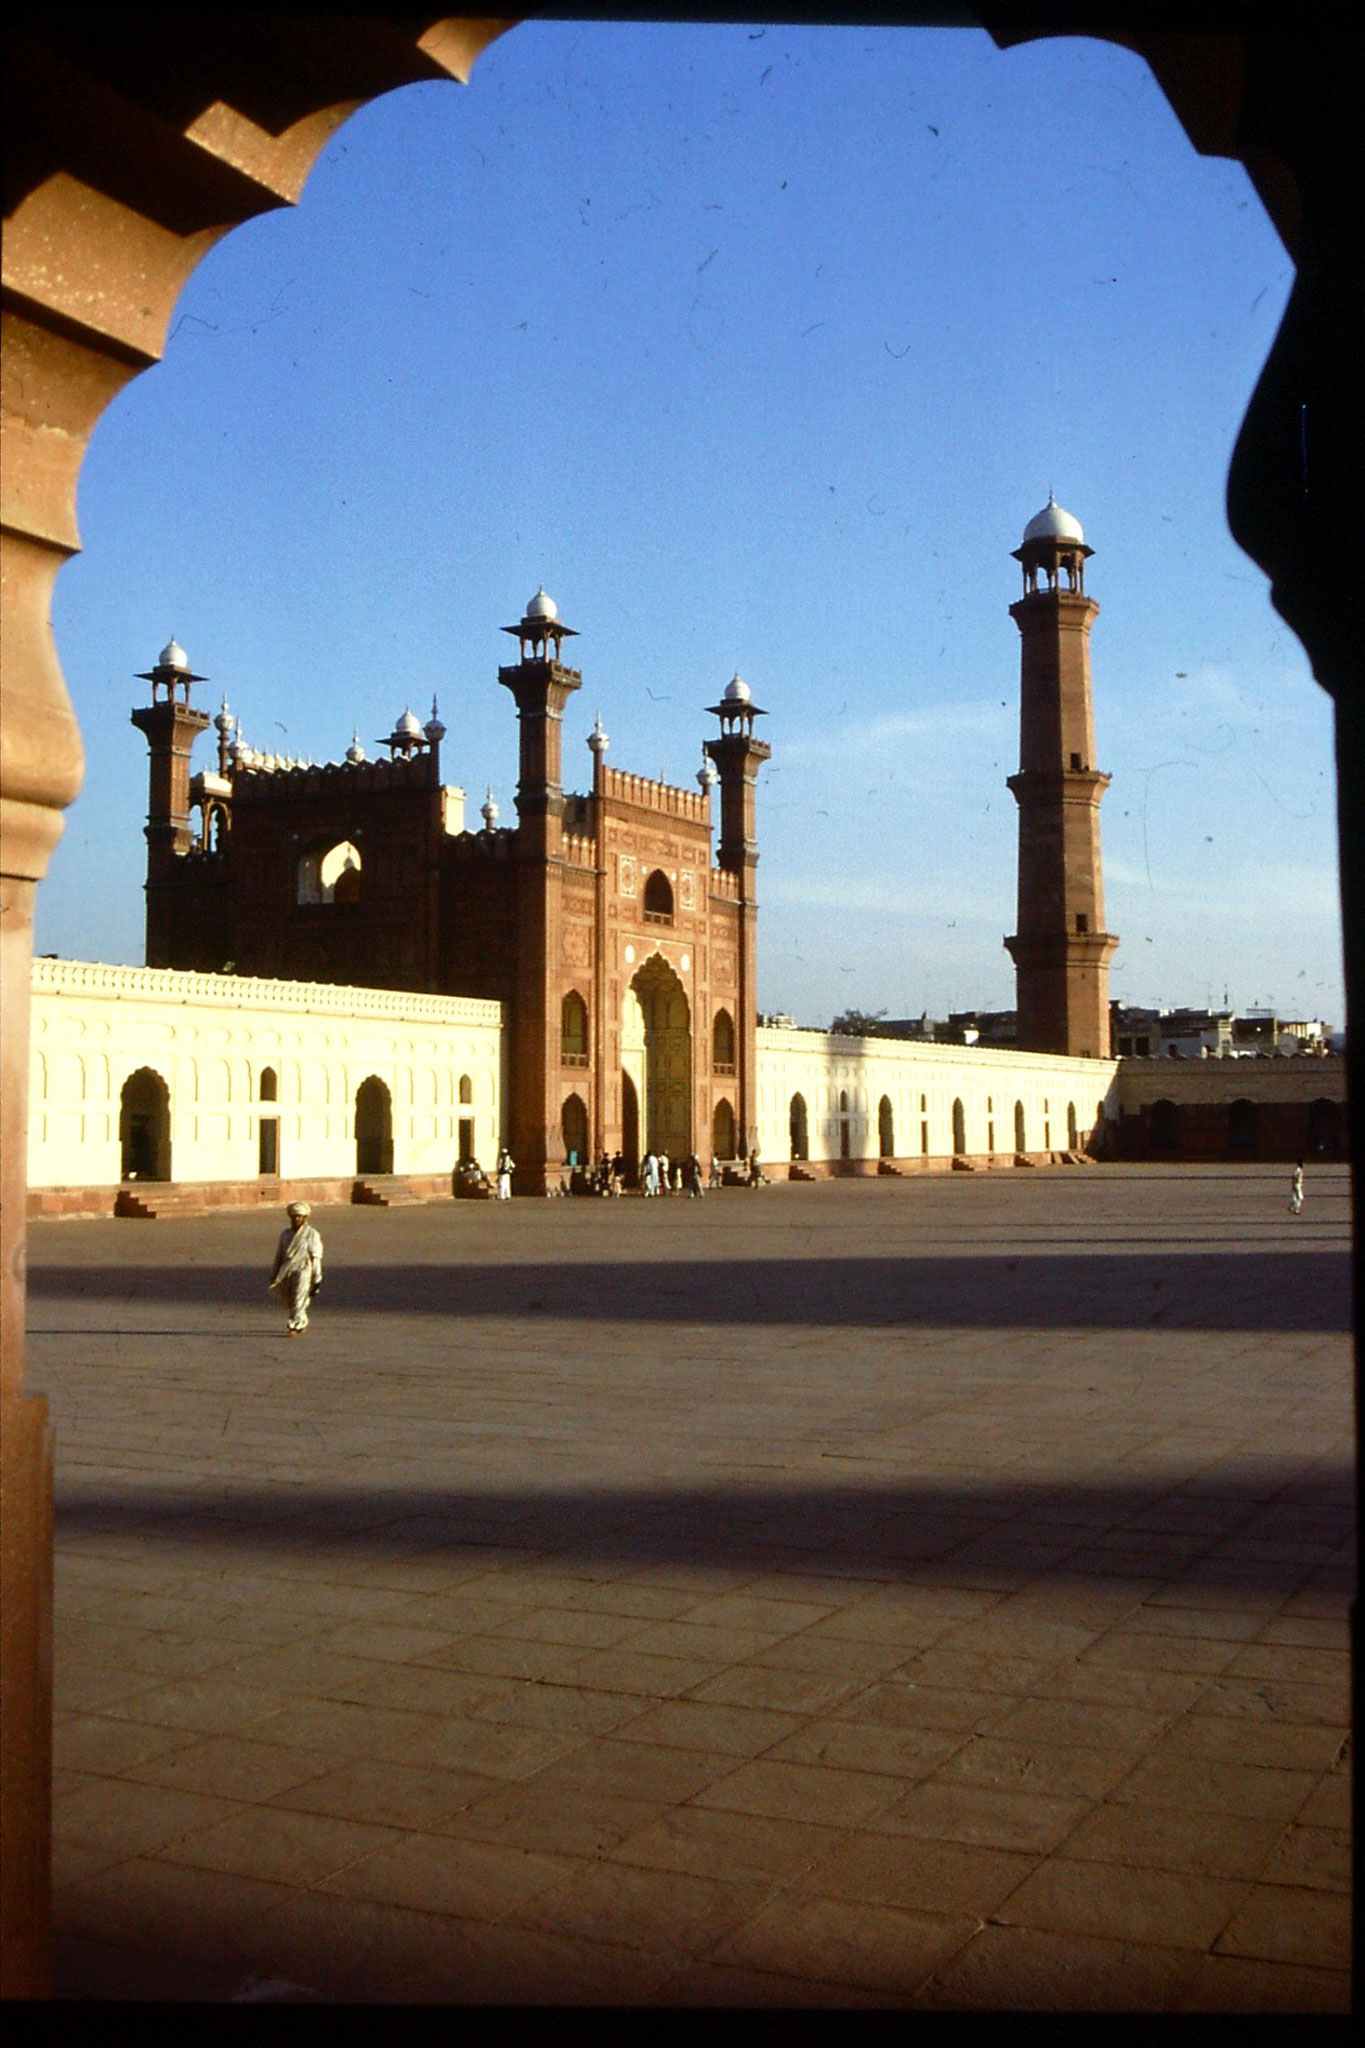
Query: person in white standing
[505, 1165]
[298, 1266]
[1296, 1190]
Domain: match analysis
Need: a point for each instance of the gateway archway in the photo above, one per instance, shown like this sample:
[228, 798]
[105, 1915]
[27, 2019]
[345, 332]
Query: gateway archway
[665, 1021]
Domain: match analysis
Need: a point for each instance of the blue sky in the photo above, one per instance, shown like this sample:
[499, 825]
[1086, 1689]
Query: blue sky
[757, 347]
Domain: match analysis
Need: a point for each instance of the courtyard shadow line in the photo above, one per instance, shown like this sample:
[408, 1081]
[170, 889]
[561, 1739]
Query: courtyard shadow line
[929, 1531]
[1198, 1290]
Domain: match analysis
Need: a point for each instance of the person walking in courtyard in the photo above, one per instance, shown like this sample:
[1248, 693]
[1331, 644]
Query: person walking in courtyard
[717, 1177]
[505, 1165]
[1296, 1190]
[665, 1184]
[694, 1186]
[298, 1266]
[651, 1175]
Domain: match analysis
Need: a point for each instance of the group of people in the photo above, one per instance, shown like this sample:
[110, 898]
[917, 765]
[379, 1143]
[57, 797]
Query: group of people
[660, 1175]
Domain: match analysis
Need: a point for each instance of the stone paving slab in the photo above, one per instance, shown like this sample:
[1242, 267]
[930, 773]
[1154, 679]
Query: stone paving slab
[905, 1593]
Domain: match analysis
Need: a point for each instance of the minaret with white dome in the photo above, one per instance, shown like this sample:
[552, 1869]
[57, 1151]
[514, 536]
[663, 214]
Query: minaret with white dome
[542, 685]
[172, 725]
[737, 755]
[1060, 948]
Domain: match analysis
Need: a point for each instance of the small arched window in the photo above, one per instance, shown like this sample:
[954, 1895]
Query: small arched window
[270, 1085]
[1020, 1131]
[723, 1043]
[959, 1129]
[466, 1088]
[723, 1131]
[658, 899]
[330, 874]
[573, 1030]
[886, 1128]
[1073, 1137]
[799, 1128]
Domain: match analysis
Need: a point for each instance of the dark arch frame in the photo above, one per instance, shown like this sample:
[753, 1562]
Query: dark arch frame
[1277, 100]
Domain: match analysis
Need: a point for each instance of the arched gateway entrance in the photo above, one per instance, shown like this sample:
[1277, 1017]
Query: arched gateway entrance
[656, 1055]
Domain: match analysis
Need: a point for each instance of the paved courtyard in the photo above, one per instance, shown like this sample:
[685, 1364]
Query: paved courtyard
[925, 1593]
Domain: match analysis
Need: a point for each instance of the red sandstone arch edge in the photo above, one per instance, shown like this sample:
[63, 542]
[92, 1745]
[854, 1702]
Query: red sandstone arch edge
[131, 151]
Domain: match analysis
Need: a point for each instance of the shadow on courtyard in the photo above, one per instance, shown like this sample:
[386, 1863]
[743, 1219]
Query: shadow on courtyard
[1232, 1290]
[935, 1531]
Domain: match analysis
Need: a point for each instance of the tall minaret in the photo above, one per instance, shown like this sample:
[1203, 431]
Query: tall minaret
[172, 726]
[542, 686]
[1061, 949]
[738, 756]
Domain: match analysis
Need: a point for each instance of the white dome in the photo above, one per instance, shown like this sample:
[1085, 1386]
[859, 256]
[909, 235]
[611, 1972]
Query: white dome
[408, 727]
[542, 607]
[1052, 523]
[173, 655]
[737, 691]
[355, 753]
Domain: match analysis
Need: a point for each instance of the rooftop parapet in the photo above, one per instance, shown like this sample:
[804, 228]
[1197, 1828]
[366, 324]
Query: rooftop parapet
[665, 797]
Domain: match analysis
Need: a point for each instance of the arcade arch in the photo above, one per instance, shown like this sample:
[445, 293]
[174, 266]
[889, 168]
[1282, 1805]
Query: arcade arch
[144, 1127]
[373, 1127]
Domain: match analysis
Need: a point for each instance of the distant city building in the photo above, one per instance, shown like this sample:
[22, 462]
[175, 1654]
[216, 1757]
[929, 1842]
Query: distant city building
[1195, 1034]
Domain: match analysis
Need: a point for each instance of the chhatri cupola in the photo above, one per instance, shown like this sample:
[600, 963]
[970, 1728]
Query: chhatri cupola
[170, 672]
[1053, 547]
[737, 709]
[540, 631]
